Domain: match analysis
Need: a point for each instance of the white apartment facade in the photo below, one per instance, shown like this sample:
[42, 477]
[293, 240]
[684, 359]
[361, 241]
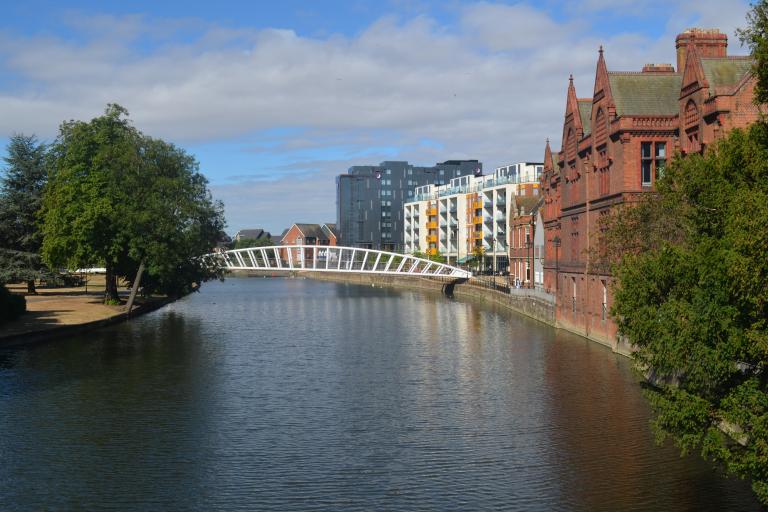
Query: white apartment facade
[469, 212]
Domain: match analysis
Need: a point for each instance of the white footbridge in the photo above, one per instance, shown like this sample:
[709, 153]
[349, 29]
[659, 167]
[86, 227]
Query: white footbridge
[326, 258]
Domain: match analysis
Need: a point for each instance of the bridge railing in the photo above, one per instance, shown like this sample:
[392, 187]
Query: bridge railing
[323, 258]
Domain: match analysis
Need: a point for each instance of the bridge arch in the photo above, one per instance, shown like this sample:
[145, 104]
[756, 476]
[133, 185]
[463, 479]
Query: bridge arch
[332, 258]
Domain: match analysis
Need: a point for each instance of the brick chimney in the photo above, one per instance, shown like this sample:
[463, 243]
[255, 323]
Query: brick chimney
[658, 68]
[709, 41]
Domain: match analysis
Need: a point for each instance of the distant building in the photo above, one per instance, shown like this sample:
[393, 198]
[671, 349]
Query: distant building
[525, 254]
[369, 199]
[307, 234]
[252, 234]
[469, 214]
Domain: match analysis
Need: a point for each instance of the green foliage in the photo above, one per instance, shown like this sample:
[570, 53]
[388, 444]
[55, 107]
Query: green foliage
[244, 243]
[437, 257]
[692, 296]
[17, 266]
[755, 36]
[117, 197]
[11, 306]
[21, 191]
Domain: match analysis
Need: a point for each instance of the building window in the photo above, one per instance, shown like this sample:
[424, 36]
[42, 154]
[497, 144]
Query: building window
[605, 301]
[646, 163]
[653, 158]
[573, 296]
[660, 158]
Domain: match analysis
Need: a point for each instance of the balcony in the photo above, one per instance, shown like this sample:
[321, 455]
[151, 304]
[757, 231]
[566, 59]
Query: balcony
[476, 205]
[477, 220]
[432, 212]
[432, 224]
[477, 235]
[432, 238]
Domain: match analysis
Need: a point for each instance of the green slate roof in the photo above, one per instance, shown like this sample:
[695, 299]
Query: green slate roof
[724, 72]
[585, 112]
[645, 93]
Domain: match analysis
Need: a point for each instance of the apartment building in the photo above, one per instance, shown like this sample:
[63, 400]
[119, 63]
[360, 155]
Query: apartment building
[370, 198]
[469, 215]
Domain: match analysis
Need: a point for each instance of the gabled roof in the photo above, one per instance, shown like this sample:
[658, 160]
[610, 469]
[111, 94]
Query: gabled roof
[725, 72]
[585, 112]
[255, 234]
[524, 205]
[645, 94]
[311, 230]
[330, 229]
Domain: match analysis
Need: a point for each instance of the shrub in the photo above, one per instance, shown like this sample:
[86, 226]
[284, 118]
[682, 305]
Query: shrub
[11, 306]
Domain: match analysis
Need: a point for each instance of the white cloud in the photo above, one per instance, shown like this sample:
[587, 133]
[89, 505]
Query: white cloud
[491, 88]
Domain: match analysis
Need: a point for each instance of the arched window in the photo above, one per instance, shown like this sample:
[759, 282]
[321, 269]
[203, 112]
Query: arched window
[601, 128]
[691, 125]
[691, 114]
[570, 144]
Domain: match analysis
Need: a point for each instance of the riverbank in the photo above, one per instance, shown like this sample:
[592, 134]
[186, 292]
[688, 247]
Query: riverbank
[531, 303]
[59, 312]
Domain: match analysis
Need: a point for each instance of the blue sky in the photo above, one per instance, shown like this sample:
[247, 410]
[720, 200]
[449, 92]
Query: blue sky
[276, 98]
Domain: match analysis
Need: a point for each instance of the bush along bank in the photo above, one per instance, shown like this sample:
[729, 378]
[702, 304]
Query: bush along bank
[11, 306]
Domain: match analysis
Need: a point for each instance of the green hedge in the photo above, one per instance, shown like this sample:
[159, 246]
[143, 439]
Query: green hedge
[11, 306]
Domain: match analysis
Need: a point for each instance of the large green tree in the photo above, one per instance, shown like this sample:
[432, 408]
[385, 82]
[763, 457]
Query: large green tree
[692, 296]
[21, 190]
[755, 36]
[119, 198]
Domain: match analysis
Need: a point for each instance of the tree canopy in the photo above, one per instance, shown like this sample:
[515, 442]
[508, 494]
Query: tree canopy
[244, 243]
[755, 36]
[21, 190]
[692, 296]
[117, 197]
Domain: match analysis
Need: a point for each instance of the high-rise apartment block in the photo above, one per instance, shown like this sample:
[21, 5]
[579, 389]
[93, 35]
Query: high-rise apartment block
[469, 215]
[370, 198]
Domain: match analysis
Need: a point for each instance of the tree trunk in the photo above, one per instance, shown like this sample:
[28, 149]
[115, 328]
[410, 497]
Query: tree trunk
[135, 287]
[110, 292]
[31, 287]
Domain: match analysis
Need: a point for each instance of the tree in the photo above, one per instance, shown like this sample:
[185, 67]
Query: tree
[21, 191]
[755, 36]
[692, 297]
[244, 243]
[120, 198]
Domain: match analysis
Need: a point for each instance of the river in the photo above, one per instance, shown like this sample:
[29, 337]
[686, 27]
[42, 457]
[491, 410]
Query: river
[294, 394]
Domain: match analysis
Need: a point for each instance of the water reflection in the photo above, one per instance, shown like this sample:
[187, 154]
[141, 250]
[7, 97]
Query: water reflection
[275, 394]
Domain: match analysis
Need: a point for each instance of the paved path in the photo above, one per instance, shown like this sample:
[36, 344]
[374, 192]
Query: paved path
[57, 307]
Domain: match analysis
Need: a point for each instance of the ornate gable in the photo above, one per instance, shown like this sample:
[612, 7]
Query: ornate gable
[693, 74]
[573, 129]
[602, 94]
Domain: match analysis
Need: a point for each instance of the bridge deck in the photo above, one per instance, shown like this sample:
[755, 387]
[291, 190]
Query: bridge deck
[324, 258]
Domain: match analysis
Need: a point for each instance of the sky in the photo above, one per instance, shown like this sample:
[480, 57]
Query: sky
[275, 99]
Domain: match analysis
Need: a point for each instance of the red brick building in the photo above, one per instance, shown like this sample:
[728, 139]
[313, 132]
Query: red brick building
[307, 234]
[522, 228]
[614, 145]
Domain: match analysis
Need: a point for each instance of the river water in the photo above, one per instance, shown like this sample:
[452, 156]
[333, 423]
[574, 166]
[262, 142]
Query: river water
[293, 394]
